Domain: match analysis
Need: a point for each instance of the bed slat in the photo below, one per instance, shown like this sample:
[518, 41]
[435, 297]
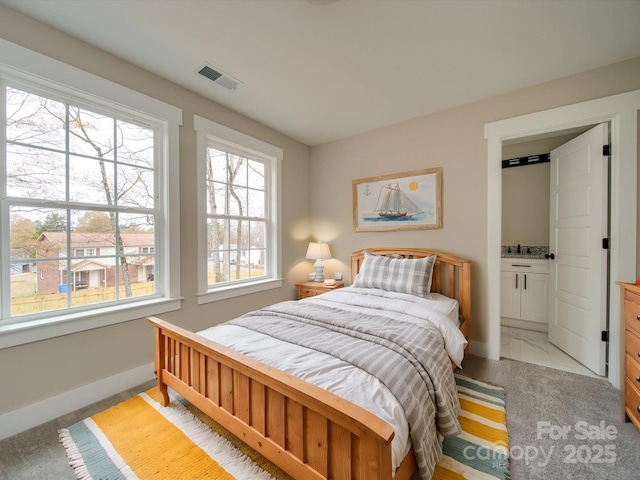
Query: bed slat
[295, 428]
[226, 388]
[339, 450]
[315, 441]
[241, 397]
[436, 283]
[213, 381]
[452, 281]
[258, 418]
[275, 417]
[195, 370]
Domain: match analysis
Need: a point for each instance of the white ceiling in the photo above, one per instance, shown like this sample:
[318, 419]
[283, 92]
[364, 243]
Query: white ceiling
[319, 70]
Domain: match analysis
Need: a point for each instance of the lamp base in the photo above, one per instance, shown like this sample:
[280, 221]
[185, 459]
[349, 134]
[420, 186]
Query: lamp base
[319, 268]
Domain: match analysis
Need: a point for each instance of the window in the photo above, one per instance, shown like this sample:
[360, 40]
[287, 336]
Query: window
[238, 202]
[82, 179]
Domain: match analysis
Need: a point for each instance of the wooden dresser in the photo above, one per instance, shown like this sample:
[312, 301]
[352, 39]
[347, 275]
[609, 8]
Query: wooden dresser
[630, 297]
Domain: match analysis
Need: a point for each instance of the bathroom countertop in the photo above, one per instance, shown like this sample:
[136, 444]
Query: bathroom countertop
[524, 252]
[524, 256]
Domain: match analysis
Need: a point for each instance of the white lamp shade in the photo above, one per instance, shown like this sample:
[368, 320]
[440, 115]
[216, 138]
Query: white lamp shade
[318, 251]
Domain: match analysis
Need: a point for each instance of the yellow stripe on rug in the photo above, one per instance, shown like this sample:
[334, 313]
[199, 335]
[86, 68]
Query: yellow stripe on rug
[490, 413]
[153, 447]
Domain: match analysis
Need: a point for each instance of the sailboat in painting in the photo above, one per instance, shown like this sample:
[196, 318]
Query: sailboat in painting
[394, 203]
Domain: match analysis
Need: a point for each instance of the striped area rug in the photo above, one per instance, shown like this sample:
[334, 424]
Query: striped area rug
[482, 450]
[138, 439]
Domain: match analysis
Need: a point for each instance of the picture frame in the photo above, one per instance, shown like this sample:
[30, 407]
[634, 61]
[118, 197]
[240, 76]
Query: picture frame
[401, 201]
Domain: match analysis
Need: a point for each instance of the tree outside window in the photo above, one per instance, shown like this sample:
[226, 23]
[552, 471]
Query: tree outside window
[236, 226]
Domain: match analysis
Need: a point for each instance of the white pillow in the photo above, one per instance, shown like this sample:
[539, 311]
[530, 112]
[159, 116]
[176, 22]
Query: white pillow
[449, 306]
[404, 275]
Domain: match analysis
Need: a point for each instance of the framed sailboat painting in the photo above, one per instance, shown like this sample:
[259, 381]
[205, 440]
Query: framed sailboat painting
[402, 201]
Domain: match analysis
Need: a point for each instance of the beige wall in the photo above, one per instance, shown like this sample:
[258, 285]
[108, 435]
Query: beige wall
[36, 371]
[525, 194]
[453, 140]
[525, 205]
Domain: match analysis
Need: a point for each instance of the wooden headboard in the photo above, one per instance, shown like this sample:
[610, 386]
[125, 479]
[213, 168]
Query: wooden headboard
[451, 275]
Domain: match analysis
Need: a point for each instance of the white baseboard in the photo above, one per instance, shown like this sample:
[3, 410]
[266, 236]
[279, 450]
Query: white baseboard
[35, 414]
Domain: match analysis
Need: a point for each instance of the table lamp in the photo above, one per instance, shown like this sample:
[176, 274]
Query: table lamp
[318, 251]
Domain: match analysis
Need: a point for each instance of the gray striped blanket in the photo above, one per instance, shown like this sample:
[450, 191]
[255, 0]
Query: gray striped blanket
[408, 358]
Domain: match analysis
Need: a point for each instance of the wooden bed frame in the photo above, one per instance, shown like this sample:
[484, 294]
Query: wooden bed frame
[307, 431]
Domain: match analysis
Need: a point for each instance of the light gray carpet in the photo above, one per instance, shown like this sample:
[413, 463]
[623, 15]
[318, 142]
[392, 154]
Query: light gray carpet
[541, 403]
[37, 454]
[534, 394]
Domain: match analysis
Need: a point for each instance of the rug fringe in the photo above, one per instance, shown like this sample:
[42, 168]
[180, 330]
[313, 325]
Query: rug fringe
[73, 454]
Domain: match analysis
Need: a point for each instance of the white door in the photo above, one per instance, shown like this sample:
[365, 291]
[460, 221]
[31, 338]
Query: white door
[94, 279]
[578, 223]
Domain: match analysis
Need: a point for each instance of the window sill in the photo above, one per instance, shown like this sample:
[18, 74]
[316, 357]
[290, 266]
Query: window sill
[231, 291]
[20, 333]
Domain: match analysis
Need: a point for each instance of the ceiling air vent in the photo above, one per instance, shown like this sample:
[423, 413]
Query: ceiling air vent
[217, 76]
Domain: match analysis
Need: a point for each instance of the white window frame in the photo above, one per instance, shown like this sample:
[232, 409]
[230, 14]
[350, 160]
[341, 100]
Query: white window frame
[18, 64]
[219, 136]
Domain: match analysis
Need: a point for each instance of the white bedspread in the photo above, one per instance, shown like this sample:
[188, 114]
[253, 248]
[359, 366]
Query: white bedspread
[339, 377]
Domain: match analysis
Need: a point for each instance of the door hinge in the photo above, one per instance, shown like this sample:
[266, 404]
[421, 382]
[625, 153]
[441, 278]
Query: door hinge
[604, 335]
[605, 243]
[606, 150]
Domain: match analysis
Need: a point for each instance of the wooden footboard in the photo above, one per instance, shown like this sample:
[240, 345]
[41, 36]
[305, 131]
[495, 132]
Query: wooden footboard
[308, 432]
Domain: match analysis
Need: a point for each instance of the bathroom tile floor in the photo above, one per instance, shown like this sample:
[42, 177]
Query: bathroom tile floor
[534, 347]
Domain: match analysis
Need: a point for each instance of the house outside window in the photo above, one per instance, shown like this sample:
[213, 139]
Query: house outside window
[102, 273]
[82, 177]
[238, 200]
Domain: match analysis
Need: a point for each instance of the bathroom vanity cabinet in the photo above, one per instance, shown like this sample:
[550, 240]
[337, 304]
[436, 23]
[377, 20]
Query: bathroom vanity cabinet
[525, 292]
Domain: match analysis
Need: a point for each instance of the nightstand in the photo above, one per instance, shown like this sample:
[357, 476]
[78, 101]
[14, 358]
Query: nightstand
[311, 289]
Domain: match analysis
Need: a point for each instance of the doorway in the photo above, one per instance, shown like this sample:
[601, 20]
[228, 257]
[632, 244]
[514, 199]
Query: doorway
[622, 112]
[525, 272]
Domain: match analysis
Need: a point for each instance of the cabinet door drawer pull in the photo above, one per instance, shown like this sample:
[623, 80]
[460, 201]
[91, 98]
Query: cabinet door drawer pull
[638, 318]
[638, 378]
[638, 408]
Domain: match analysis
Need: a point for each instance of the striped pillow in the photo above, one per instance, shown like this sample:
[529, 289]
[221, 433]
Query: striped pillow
[402, 275]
